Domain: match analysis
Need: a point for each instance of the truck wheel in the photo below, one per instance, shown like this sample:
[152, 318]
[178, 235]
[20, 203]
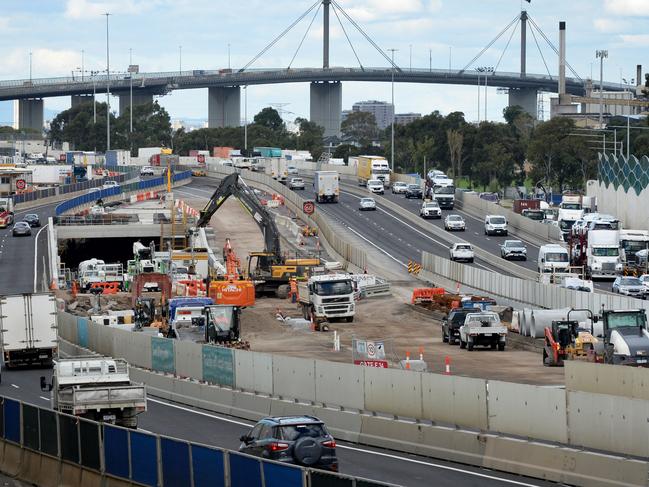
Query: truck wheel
[493, 346]
[282, 291]
[444, 337]
[469, 346]
[501, 347]
[462, 344]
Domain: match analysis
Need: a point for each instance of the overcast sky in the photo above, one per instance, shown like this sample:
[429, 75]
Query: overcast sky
[56, 31]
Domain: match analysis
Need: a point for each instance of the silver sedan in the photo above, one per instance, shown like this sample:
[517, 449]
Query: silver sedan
[454, 222]
[21, 229]
[367, 204]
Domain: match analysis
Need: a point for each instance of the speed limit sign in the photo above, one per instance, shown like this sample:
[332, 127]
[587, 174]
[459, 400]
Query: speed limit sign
[308, 207]
[20, 184]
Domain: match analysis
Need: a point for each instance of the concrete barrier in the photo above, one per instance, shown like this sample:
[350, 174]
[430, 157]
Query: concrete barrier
[339, 381]
[632, 382]
[294, 378]
[189, 359]
[254, 371]
[455, 400]
[393, 391]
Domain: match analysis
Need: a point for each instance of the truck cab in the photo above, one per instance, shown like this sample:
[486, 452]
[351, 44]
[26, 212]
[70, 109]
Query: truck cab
[626, 340]
[553, 258]
[327, 297]
[222, 323]
[570, 210]
[603, 254]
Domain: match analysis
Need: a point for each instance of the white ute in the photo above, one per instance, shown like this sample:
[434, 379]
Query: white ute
[462, 251]
[484, 329]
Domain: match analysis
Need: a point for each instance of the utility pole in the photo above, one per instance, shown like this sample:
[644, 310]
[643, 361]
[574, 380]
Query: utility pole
[107, 14]
[229, 67]
[30, 65]
[82, 65]
[130, 108]
[523, 43]
[601, 55]
[245, 119]
[180, 60]
[628, 83]
[325, 46]
[393, 111]
[478, 99]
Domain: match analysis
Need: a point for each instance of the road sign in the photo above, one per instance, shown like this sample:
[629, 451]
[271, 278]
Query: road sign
[200, 158]
[308, 207]
[381, 364]
[21, 184]
[371, 350]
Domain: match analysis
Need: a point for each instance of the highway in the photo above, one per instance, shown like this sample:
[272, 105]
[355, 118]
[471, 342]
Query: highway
[196, 425]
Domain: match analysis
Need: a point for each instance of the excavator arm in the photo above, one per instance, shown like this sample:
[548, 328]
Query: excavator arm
[233, 185]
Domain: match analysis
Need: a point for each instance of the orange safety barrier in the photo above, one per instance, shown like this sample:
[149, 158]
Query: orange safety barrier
[193, 288]
[425, 294]
[107, 287]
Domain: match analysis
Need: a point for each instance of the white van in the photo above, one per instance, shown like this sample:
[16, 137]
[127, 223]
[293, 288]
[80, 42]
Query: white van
[110, 184]
[553, 258]
[495, 225]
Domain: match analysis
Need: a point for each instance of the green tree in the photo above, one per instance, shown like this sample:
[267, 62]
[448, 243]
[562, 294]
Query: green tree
[76, 126]
[360, 127]
[269, 118]
[309, 137]
[151, 127]
[641, 145]
[455, 140]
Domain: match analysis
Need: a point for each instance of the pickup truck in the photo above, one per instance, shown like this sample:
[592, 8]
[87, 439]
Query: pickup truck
[484, 329]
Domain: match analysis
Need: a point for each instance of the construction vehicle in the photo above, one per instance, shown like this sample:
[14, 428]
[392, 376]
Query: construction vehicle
[96, 388]
[631, 242]
[222, 323]
[327, 297]
[565, 340]
[94, 271]
[232, 289]
[6, 212]
[29, 329]
[625, 338]
[188, 311]
[269, 269]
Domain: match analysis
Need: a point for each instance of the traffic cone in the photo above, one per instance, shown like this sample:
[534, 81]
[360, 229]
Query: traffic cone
[447, 365]
[407, 360]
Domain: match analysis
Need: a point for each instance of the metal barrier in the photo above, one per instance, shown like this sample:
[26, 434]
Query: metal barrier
[44, 447]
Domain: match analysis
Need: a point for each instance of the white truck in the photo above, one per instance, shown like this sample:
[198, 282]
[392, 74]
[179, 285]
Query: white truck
[603, 254]
[96, 388]
[327, 297]
[570, 210]
[277, 168]
[96, 271]
[483, 328]
[29, 329]
[326, 185]
[553, 258]
[632, 241]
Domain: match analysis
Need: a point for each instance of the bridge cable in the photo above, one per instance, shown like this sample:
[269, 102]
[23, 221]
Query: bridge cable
[554, 48]
[348, 39]
[304, 37]
[369, 39]
[540, 52]
[516, 19]
[506, 47]
[274, 41]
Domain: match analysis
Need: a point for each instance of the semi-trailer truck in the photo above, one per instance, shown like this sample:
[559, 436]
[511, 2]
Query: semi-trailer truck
[373, 167]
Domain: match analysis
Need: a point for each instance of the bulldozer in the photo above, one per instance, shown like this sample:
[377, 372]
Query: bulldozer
[564, 340]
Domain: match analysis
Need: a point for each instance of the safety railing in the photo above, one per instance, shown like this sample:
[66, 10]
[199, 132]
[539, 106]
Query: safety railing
[37, 441]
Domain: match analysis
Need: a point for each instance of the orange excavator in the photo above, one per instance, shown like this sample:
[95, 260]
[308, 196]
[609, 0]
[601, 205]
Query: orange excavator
[233, 289]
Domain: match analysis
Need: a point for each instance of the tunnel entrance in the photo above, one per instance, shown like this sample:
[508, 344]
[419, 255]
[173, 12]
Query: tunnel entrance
[110, 250]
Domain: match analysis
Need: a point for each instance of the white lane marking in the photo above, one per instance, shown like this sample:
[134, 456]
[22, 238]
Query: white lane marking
[44, 398]
[360, 450]
[36, 255]
[15, 386]
[379, 248]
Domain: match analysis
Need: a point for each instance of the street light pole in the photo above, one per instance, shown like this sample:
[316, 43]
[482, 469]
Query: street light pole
[107, 85]
[94, 98]
[245, 119]
[83, 71]
[180, 60]
[628, 117]
[392, 124]
[478, 99]
[601, 55]
[30, 66]
[130, 108]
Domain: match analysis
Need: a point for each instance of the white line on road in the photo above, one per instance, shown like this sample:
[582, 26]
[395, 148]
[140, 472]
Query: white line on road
[353, 448]
[44, 398]
[36, 256]
[15, 386]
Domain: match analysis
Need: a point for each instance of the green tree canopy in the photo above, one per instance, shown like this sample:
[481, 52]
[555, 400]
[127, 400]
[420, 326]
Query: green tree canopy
[269, 118]
[360, 127]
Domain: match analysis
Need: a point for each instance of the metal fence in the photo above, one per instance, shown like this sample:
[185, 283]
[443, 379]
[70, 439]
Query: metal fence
[132, 455]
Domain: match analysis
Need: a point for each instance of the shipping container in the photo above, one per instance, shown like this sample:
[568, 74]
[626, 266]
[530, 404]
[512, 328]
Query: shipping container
[50, 174]
[222, 152]
[149, 151]
[268, 151]
[520, 205]
[118, 158]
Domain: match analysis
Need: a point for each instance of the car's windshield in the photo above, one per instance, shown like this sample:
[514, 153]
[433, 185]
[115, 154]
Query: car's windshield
[296, 431]
[606, 251]
[566, 224]
[380, 171]
[333, 288]
[375, 182]
[220, 318]
[413, 186]
[455, 218]
[30, 216]
[367, 200]
[497, 220]
[458, 316]
[630, 281]
[431, 204]
[571, 206]
[622, 319]
[514, 243]
[633, 245]
[297, 180]
[463, 247]
[400, 184]
[556, 257]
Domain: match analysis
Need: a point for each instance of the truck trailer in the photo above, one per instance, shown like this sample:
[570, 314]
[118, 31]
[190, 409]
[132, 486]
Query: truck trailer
[373, 167]
[326, 186]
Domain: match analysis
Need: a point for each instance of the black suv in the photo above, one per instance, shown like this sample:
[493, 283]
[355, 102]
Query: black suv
[300, 440]
[413, 191]
[452, 323]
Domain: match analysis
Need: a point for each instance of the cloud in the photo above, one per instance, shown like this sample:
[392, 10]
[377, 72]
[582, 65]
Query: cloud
[611, 25]
[367, 11]
[88, 9]
[627, 7]
[635, 39]
[45, 62]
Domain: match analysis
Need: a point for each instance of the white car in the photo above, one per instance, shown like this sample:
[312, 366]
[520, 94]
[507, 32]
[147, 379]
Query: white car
[430, 209]
[644, 279]
[462, 251]
[110, 184]
[147, 171]
[399, 187]
[495, 225]
[296, 183]
[375, 186]
[367, 204]
[292, 170]
[454, 222]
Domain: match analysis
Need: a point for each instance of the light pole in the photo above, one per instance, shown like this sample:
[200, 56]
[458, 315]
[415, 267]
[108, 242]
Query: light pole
[410, 57]
[107, 85]
[392, 124]
[180, 60]
[486, 70]
[478, 98]
[130, 108]
[601, 55]
[30, 65]
[628, 117]
[229, 56]
[94, 96]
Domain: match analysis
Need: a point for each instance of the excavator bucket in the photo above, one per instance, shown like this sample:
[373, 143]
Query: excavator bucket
[239, 293]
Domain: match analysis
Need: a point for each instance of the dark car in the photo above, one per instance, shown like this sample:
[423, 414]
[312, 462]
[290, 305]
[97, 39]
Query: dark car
[413, 191]
[32, 220]
[21, 229]
[452, 323]
[299, 440]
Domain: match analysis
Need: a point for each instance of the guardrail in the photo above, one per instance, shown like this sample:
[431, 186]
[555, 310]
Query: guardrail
[341, 249]
[547, 428]
[44, 447]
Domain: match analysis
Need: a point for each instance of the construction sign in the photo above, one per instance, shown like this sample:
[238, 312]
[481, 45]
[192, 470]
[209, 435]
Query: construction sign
[308, 207]
[414, 267]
